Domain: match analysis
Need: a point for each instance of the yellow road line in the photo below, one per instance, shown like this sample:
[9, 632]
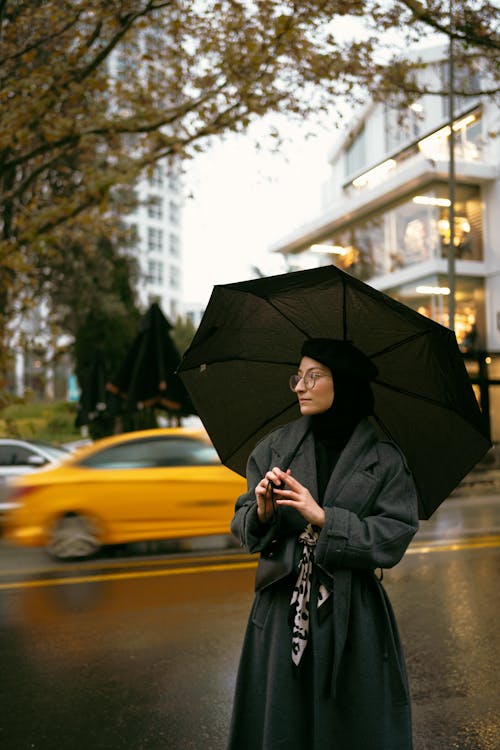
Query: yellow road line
[128, 574]
[420, 548]
[83, 567]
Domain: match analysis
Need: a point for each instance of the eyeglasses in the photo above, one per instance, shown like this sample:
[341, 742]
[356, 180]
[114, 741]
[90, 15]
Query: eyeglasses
[309, 380]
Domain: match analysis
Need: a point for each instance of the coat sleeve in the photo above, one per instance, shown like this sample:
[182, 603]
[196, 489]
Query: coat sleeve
[380, 537]
[246, 526]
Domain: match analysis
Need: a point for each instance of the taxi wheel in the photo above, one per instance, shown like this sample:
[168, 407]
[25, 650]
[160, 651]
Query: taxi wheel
[73, 537]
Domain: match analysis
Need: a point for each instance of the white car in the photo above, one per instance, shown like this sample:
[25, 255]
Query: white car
[23, 457]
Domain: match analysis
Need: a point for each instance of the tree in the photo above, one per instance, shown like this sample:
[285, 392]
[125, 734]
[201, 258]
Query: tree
[183, 333]
[92, 93]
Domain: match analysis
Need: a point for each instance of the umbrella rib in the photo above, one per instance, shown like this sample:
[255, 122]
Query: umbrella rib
[255, 432]
[236, 358]
[397, 344]
[271, 304]
[412, 394]
[305, 333]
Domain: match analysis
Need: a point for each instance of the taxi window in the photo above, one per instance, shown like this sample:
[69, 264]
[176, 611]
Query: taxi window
[154, 452]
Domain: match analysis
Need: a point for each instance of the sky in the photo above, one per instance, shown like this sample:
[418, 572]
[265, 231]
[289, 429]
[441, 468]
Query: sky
[241, 200]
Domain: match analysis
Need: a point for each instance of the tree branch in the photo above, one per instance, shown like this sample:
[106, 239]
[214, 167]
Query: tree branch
[464, 33]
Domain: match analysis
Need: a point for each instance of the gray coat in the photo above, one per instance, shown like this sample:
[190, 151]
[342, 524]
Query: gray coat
[350, 691]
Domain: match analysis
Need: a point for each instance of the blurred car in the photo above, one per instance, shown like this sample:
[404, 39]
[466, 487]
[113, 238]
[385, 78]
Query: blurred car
[74, 445]
[151, 484]
[23, 457]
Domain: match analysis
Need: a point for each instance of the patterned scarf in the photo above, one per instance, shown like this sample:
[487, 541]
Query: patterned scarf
[302, 592]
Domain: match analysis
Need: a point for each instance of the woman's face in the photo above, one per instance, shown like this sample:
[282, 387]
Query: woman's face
[319, 398]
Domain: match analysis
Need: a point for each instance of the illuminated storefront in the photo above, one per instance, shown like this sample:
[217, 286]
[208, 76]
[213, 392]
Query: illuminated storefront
[413, 230]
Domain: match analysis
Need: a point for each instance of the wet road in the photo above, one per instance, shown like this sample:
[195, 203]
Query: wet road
[140, 652]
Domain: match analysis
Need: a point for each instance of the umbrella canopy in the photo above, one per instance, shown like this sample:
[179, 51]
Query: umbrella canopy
[93, 395]
[248, 344]
[147, 377]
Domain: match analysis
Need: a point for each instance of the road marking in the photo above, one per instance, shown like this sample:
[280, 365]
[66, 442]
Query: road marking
[418, 548]
[83, 567]
[126, 575]
[423, 548]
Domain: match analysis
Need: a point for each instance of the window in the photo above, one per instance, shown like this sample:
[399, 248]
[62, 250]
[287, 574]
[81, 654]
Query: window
[402, 126]
[156, 179]
[155, 207]
[467, 141]
[414, 230]
[175, 277]
[154, 453]
[355, 154]
[173, 181]
[174, 212]
[428, 297]
[174, 245]
[17, 455]
[155, 240]
[155, 272]
[467, 88]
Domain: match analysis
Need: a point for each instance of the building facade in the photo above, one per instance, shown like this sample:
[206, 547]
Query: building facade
[157, 222]
[159, 195]
[386, 216]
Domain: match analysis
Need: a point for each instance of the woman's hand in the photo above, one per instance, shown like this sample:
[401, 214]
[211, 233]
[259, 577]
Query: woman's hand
[295, 495]
[264, 493]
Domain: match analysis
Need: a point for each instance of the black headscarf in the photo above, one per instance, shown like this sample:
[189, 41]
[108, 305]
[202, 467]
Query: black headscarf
[352, 372]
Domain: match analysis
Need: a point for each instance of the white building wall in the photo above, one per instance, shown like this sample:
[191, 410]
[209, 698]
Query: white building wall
[158, 221]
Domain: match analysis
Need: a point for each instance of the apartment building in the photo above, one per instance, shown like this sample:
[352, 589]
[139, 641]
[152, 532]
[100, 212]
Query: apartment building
[157, 222]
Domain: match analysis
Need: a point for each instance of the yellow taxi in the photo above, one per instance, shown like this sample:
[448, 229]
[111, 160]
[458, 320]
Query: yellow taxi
[163, 483]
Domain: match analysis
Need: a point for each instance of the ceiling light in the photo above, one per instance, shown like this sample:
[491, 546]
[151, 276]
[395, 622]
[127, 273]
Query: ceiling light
[433, 290]
[429, 200]
[329, 249]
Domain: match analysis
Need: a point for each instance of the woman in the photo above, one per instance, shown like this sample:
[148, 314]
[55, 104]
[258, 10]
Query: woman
[328, 504]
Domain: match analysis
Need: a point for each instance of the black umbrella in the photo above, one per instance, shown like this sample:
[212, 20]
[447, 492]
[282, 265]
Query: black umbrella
[248, 343]
[147, 377]
[93, 396]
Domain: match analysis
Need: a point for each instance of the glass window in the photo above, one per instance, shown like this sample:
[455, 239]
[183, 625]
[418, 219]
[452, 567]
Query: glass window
[6, 455]
[355, 154]
[155, 240]
[466, 81]
[413, 231]
[401, 126]
[467, 142]
[18, 455]
[155, 272]
[429, 297]
[174, 245]
[156, 179]
[155, 207]
[174, 212]
[175, 277]
[468, 235]
[154, 453]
